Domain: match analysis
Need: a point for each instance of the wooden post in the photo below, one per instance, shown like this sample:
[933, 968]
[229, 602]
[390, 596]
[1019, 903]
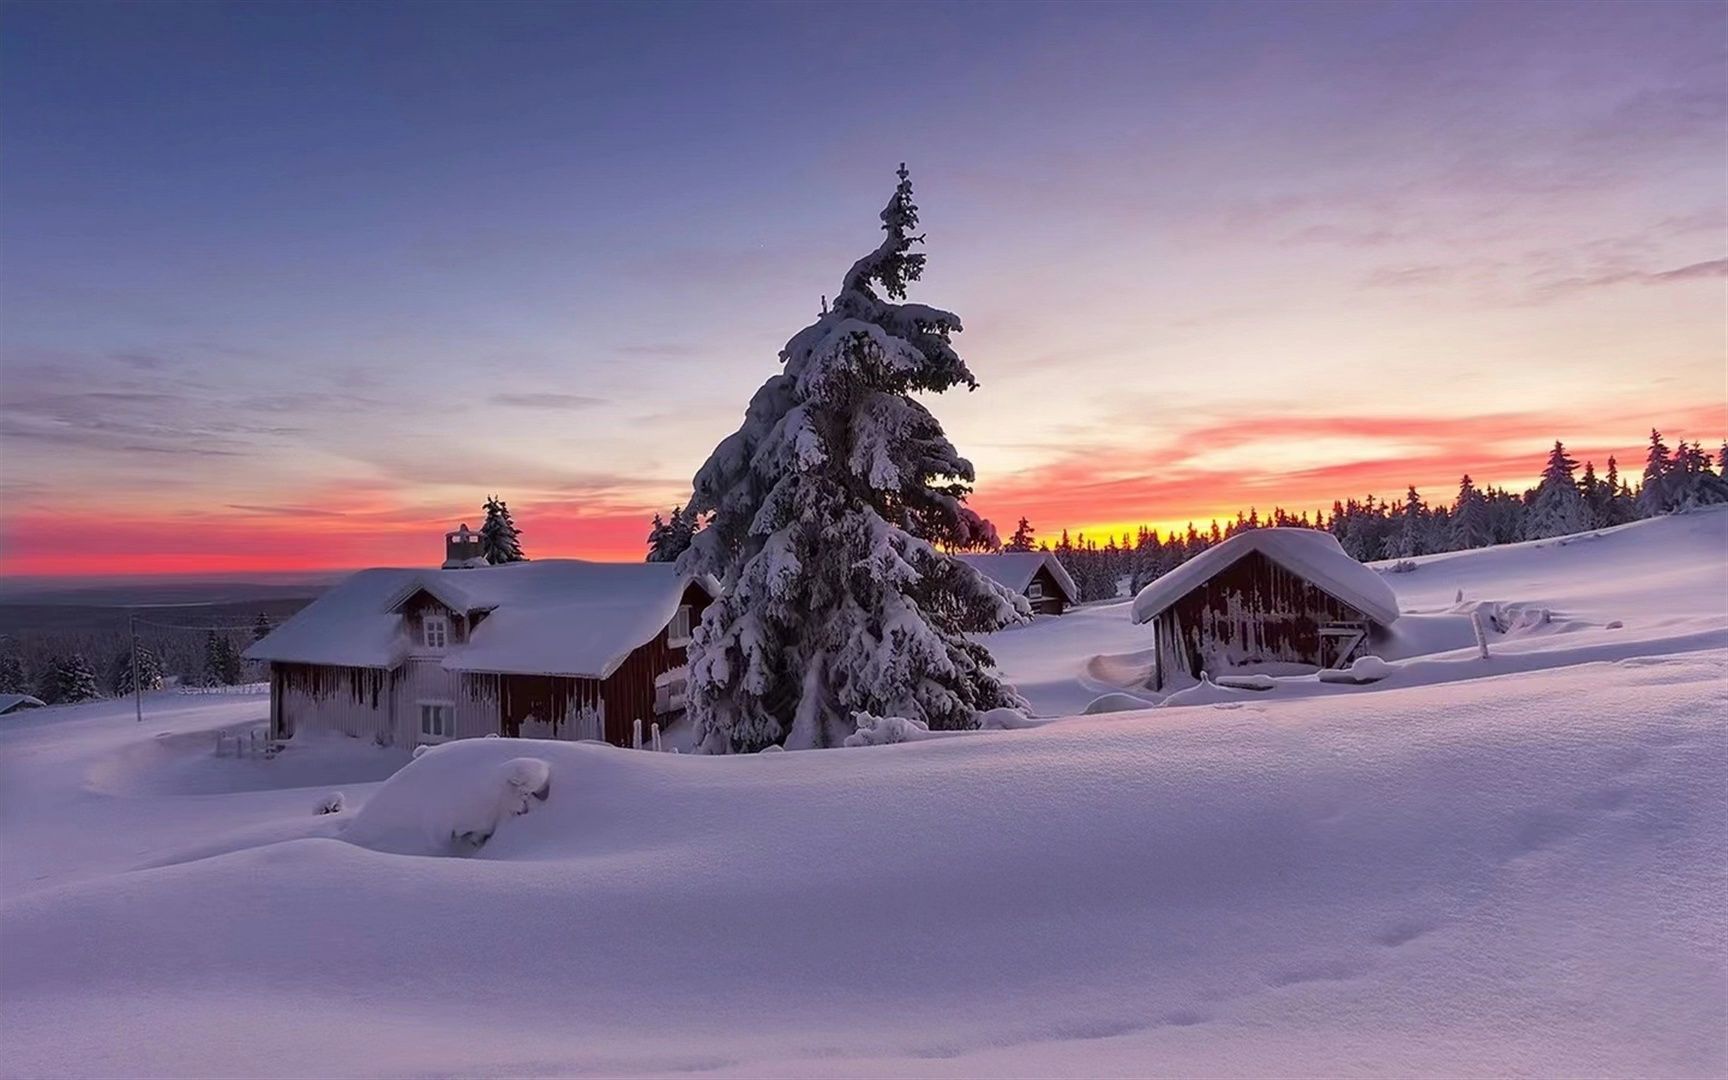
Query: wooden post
[137, 691]
[1481, 634]
[655, 735]
[636, 734]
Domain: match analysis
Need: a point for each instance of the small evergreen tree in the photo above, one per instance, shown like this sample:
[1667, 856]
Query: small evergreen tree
[500, 540]
[69, 680]
[260, 627]
[149, 671]
[669, 538]
[1557, 506]
[13, 678]
[1023, 538]
[222, 664]
[829, 507]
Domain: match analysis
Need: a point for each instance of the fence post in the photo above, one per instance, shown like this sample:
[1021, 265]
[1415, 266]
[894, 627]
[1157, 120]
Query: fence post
[636, 734]
[1481, 634]
[655, 734]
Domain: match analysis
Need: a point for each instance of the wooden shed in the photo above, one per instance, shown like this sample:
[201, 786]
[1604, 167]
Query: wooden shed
[1037, 575]
[1264, 599]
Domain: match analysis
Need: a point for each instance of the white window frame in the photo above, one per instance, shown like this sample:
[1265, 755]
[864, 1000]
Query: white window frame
[1035, 591]
[439, 623]
[671, 690]
[440, 732]
[678, 630]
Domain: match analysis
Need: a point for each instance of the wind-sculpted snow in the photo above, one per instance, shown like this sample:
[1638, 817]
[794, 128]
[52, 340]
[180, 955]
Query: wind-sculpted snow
[1517, 875]
[1464, 868]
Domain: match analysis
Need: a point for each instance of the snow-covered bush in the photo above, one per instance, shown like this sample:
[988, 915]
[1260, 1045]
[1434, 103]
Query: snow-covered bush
[829, 509]
[886, 730]
[451, 801]
[332, 803]
[1005, 718]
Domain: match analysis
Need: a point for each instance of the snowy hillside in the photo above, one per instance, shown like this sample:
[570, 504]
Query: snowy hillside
[1469, 868]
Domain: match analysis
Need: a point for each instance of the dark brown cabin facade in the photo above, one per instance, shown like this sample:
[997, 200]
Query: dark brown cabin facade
[1045, 594]
[1256, 613]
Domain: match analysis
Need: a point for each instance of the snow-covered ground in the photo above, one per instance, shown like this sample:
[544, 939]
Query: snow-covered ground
[1469, 867]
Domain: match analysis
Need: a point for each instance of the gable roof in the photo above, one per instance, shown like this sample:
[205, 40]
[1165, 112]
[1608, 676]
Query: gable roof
[9, 702]
[1014, 570]
[562, 617]
[1310, 554]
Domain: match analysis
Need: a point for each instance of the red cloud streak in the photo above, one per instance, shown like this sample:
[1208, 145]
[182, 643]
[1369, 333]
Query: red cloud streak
[1174, 478]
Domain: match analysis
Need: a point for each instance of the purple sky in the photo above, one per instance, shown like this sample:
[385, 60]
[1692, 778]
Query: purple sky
[297, 285]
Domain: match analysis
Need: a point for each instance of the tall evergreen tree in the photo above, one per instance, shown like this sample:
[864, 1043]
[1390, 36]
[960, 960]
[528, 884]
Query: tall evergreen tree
[1022, 540]
[1470, 525]
[1654, 497]
[1413, 528]
[828, 508]
[500, 540]
[1557, 506]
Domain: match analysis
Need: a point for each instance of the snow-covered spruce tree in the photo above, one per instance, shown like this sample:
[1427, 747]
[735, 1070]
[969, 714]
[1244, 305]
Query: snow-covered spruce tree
[500, 540]
[1694, 484]
[1557, 507]
[1469, 517]
[1412, 528]
[149, 671]
[1653, 496]
[70, 680]
[670, 537]
[13, 679]
[830, 509]
[260, 627]
[1022, 540]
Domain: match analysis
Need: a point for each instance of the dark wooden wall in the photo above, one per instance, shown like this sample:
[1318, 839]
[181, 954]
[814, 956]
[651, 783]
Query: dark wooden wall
[1053, 602]
[1254, 610]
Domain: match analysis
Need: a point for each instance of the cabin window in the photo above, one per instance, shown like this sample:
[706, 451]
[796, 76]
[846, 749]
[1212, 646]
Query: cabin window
[437, 720]
[678, 631]
[669, 690]
[1035, 591]
[435, 631]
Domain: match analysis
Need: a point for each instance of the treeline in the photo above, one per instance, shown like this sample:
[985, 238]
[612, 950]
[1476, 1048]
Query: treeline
[1564, 501]
[63, 671]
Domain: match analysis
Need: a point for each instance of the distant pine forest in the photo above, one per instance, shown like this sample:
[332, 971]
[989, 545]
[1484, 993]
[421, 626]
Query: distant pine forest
[73, 650]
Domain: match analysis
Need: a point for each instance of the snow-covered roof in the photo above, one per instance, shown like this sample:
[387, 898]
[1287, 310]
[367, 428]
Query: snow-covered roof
[8, 702]
[547, 617]
[1013, 570]
[1310, 554]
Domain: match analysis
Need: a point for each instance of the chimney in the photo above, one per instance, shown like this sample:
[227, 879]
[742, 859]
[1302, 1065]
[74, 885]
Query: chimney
[462, 549]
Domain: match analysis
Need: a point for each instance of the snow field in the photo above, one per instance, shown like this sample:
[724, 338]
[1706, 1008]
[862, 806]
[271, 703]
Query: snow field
[1507, 872]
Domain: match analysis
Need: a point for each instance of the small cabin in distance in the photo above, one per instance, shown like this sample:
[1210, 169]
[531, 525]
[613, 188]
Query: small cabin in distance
[1037, 575]
[1265, 598]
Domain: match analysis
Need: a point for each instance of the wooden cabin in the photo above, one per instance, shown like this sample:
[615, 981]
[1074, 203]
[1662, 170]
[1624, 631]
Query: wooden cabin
[1037, 575]
[556, 648]
[1262, 600]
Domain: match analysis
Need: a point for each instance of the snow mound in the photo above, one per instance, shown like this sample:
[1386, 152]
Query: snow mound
[1005, 719]
[1115, 702]
[886, 730]
[450, 801]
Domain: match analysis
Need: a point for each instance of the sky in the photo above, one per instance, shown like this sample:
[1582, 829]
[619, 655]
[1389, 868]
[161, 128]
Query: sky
[295, 287]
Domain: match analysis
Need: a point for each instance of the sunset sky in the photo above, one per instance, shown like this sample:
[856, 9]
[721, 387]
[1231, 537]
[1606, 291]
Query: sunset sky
[292, 287]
